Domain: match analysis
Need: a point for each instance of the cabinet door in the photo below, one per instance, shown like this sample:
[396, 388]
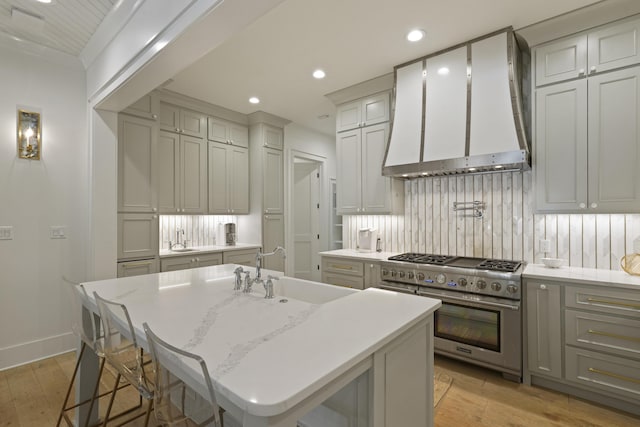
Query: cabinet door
[273, 181]
[169, 176]
[272, 137]
[348, 116]
[371, 274]
[137, 236]
[376, 189]
[560, 161]
[562, 60]
[137, 268]
[193, 123]
[349, 172]
[146, 107]
[137, 173]
[341, 280]
[177, 263]
[614, 47]
[544, 329]
[272, 237]
[238, 176]
[239, 135]
[169, 117]
[375, 109]
[193, 175]
[218, 178]
[218, 130]
[614, 141]
[206, 260]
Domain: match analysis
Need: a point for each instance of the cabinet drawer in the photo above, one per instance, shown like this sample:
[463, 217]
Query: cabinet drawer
[343, 266]
[342, 280]
[177, 263]
[205, 260]
[612, 301]
[604, 333]
[242, 257]
[137, 268]
[603, 372]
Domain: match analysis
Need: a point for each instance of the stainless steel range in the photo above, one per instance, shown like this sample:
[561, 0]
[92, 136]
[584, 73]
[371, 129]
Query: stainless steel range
[480, 320]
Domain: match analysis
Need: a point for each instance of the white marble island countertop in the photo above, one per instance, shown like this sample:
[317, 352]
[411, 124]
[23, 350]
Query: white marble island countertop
[166, 253]
[592, 276]
[264, 355]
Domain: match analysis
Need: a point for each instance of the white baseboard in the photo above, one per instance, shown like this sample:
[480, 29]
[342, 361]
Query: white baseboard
[28, 352]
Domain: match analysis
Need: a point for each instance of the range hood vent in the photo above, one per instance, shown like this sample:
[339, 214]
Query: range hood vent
[460, 110]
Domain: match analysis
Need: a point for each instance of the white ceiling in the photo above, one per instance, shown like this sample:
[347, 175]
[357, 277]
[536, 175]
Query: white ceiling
[64, 25]
[352, 40]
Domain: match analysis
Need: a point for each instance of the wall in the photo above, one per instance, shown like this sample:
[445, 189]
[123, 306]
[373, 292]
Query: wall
[199, 230]
[38, 194]
[509, 228]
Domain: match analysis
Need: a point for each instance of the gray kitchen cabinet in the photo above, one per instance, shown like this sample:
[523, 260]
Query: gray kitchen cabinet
[543, 328]
[138, 268]
[241, 256]
[272, 237]
[227, 132]
[364, 112]
[358, 274]
[183, 121]
[137, 171]
[588, 144]
[594, 51]
[147, 107]
[361, 188]
[228, 179]
[137, 236]
[190, 261]
[272, 137]
[182, 187]
[273, 181]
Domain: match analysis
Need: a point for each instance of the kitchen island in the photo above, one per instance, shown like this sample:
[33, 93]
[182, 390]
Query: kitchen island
[324, 355]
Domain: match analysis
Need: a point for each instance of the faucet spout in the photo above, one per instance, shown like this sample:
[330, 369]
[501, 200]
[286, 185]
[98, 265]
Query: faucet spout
[260, 255]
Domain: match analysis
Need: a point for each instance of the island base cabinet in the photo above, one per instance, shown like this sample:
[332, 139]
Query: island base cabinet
[138, 268]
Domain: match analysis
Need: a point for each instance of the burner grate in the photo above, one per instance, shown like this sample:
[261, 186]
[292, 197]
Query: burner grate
[499, 265]
[422, 258]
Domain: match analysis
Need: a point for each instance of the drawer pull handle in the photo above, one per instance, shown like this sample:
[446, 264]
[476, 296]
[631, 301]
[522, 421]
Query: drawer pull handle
[609, 334]
[614, 375]
[621, 304]
[137, 264]
[342, 266]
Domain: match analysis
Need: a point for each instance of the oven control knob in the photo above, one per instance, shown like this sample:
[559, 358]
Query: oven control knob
[512, 289]
[420, 276]
[481, 284]
[441, 278]
[410, 275]
[385, 272]
[401, 274]
[496, 286]
[393, 273]
[462, 282]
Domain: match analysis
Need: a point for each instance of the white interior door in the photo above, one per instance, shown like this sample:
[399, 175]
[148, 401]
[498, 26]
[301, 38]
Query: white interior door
[306, 224]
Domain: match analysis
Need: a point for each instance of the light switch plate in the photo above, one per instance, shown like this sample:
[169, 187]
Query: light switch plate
[6, 232]
[58, 232]
[545, 245]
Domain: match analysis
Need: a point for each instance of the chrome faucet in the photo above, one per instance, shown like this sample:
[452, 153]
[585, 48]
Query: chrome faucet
[261, 255]
[238, 282]
[177, 242]
[247, 282]
[268, 287]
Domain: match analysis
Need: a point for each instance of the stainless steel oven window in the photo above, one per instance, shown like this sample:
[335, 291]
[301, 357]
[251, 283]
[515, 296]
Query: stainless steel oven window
[474, 326]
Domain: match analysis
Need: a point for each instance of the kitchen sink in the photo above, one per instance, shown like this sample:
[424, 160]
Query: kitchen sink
[182, 250]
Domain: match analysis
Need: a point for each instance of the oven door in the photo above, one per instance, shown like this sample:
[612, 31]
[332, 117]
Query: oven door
[479, 329]
[398, 287]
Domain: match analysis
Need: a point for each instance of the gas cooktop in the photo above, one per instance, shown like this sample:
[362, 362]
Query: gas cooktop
[461, 262]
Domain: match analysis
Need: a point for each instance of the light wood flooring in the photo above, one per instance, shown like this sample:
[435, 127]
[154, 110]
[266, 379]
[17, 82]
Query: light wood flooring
[31, 395]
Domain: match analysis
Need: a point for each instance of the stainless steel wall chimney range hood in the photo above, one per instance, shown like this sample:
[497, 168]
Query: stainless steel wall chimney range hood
[461, 110]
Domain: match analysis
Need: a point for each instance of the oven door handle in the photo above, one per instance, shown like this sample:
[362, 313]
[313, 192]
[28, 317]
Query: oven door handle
[514, 307]
[396, 289]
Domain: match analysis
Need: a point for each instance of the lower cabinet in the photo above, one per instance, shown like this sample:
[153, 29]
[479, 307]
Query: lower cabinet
[350, 273]
[138, 268]
[585, 339]
[137, 236]
[243, 257]
[190, 261]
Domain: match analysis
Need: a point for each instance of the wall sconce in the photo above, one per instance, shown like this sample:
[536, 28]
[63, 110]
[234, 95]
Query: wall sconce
[29, 134]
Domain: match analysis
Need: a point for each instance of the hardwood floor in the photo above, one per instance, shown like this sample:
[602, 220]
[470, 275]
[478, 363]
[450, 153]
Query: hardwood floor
[31, 395]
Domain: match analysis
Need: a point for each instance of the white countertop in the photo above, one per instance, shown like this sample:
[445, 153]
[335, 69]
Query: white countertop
[166, 253]
[362, 256]
[611, 278]
[263, 355]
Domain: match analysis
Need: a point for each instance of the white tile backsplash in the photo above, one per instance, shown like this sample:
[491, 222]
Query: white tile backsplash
[199, 230]
[509, 228]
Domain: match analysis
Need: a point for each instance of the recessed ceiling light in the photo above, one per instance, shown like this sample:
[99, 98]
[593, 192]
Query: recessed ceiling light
[319, 74]
[443, 71]
[254, 100]
[44, 1]
[415, 35]
[498, 166]
[472, 169]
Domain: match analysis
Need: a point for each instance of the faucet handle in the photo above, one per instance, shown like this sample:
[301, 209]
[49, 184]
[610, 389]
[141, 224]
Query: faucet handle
[239, 270]
[270, 277]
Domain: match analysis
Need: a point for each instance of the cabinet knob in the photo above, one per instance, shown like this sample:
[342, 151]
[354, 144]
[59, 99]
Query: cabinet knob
[582, 206]
[581, 72]
[177, 130]
[543, 287]
[592, 69]
[364, 124]
[155, 209]
[155, 217]
[154, 116]
[594, 205]
[178, 210]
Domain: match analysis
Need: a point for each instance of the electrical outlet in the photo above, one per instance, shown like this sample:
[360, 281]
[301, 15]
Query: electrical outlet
[544, 245]
[6, 232]
[58, 232]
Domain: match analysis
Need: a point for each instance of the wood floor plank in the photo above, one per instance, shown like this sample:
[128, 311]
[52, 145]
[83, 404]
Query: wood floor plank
[8, 413]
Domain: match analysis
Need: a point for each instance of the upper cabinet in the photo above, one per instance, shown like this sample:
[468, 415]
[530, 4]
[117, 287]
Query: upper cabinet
[227, 132]
[147, 107]
[182, 121]
[137, 164]
[587, 134]
[603, 49]
[228, 179]
[272, 137]
[363, 112]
